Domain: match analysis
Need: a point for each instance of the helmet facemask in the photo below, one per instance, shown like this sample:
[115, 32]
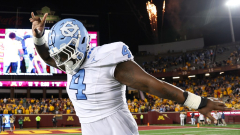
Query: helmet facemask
[68, 56]
[65, 46]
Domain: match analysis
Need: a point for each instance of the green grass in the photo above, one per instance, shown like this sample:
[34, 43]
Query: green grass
[187, 131]
[203, 130]
[192, 131]
[48, 128]
[228, 125]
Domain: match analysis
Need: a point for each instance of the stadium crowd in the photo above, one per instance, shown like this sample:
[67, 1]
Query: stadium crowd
[36, 106]
[194, 60]
[183, 61]
[226, 88]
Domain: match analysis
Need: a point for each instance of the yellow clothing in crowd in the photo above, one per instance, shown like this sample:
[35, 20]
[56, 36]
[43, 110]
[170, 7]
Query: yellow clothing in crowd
[136, 110]
[68, 111]
[32, 101]
[51, 108]
[5, 111]
[27, 112]
[228, 105]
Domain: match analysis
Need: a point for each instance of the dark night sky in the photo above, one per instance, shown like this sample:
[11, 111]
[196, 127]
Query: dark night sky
[193, 18]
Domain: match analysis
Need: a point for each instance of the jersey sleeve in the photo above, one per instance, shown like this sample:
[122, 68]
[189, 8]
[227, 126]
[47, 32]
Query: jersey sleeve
[113, 53]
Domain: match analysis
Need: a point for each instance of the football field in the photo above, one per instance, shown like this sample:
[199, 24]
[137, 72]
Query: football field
[143, 130]
[187, 131]
[192, 131]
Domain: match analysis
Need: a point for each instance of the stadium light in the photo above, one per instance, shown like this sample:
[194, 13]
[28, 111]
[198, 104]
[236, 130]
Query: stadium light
[176, 77]
[207, 74]
[191, 76]
[231, 4]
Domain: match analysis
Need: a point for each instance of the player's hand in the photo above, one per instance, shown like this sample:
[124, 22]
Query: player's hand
[38, 24]
[213, 104]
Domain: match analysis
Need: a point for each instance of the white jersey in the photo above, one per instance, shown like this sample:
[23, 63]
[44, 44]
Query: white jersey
[182, 116]
[94, 91]
[201, 116]
[215, 116]
[11, 49]
[219, 115]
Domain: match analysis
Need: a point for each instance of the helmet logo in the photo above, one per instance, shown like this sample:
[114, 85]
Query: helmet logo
[51, 40]
[69, 29]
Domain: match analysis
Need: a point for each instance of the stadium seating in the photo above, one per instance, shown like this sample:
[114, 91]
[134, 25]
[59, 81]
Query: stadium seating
[225, 88]
[36, 106]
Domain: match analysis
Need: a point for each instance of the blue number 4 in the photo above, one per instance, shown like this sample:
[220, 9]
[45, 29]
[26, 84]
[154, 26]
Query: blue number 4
[79, 86]
[125, 51]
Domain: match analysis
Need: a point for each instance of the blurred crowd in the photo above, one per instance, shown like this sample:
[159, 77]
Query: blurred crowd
[36, 106]
[194, 60]
[200, 59]
[225, 88]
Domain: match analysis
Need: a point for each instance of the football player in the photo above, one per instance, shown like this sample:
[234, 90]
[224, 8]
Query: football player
[97, 78]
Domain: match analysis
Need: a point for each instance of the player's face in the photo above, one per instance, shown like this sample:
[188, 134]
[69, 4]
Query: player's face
[63, 56]
[66, 54]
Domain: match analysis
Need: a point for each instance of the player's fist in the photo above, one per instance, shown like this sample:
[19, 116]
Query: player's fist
[38, 24]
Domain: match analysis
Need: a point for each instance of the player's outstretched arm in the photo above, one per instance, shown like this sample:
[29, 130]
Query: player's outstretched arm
[132, 75]
[38, 25]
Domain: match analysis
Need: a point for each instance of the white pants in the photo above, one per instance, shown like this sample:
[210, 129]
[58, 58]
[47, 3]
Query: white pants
[193, 121]
[182, 122]
[224, 123]
[119, 123]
